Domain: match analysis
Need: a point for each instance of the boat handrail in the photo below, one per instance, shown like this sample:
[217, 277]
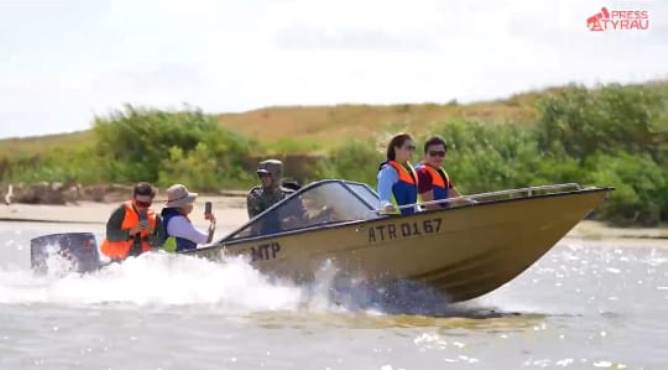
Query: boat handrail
[526, 192]
[531, 189]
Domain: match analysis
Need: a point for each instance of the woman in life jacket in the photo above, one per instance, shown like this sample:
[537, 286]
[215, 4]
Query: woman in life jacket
[397, 180]
[182, 235]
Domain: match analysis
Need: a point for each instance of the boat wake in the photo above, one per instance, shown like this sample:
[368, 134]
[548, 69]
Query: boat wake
[152, 279]
[162, 279]
[396, 297]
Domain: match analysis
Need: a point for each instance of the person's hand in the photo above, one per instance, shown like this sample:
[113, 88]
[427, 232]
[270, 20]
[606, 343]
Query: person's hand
[212, 222]
[212, 228]
[136, 229]
[390, 208]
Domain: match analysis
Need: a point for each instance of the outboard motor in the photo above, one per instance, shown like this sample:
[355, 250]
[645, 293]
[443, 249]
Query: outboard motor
[79, 248]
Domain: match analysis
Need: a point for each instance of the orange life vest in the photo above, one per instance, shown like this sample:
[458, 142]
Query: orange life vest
[405, 191]
[439, 177]
[120, 250]
[406, 175]
[439, 180]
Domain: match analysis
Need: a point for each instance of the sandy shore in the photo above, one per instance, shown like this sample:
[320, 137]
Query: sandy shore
[230, 213]
[599, 230]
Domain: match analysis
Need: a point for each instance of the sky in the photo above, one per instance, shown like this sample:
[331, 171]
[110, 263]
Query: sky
[64, 62]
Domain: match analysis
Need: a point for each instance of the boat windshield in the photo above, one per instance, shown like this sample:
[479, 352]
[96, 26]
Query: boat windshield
[322, 203]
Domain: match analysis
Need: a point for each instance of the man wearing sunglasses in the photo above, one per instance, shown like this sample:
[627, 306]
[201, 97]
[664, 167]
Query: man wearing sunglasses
[433, 182]
[134, 228]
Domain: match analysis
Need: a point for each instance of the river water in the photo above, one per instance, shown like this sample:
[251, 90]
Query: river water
[585, 305]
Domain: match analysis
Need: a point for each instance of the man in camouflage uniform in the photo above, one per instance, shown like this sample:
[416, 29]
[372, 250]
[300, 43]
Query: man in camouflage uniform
[270, 192]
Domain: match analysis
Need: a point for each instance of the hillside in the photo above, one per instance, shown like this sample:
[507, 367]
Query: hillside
[40, 145]
[330, 125]
[297, 128]
[316, 128]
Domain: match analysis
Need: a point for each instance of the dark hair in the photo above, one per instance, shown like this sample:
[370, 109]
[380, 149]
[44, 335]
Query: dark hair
[397, 141]
[143, 188]
[435, 140]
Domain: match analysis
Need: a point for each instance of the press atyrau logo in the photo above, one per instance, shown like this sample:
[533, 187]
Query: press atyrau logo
[618, 20]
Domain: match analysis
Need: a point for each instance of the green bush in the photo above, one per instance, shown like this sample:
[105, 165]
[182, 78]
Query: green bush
[485, 157]
[201, 171]
[602, 137]
[150, 145]
[640, 187]
[287, 146]
[581, 122]
[198, 170]
[355, 160]
[62, 165]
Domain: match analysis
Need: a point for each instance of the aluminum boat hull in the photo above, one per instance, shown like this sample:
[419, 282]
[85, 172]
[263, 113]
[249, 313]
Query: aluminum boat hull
[463, 252]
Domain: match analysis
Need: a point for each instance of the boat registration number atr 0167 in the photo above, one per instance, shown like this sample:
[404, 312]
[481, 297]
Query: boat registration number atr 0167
[381, 233]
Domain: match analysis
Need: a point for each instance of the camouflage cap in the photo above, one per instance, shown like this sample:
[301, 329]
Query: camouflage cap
[273, 167]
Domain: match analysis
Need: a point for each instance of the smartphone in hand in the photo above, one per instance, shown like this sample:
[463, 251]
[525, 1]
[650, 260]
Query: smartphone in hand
[143, 219]
[208, 208]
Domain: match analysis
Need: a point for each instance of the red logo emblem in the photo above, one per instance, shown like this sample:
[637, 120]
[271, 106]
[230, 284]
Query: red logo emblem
[612, 20]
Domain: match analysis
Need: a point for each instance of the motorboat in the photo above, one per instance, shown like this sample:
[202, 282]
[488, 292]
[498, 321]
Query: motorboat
[463, 248]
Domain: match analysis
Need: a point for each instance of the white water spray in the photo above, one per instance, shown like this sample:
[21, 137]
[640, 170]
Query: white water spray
[154, 278]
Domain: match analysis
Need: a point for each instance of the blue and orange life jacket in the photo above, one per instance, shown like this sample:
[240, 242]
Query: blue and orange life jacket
[405, 191]
[174, 243]
[440, 181]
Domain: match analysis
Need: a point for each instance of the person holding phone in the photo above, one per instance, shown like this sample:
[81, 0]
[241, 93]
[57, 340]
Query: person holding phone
[133, 228]
[182, 235]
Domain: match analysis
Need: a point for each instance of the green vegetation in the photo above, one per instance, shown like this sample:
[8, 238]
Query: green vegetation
[610, 136]
[613, 136]
[137, 144]
[355, 160]
[168, 147]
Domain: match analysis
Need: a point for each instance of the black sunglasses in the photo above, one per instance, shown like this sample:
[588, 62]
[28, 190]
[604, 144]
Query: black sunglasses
[437, 153]
[143, 204]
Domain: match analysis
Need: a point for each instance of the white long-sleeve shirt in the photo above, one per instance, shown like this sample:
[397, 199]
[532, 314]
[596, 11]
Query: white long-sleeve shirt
[179, 226]
[387, 177]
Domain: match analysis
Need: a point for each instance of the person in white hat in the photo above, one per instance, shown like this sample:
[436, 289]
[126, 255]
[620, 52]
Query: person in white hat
[181, 233]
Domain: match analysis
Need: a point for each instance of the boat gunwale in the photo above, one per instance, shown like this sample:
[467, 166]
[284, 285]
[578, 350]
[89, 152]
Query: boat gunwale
[223, 243]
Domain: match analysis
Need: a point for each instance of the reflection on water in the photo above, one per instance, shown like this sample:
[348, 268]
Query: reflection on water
[585, 305]
[472, 318]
